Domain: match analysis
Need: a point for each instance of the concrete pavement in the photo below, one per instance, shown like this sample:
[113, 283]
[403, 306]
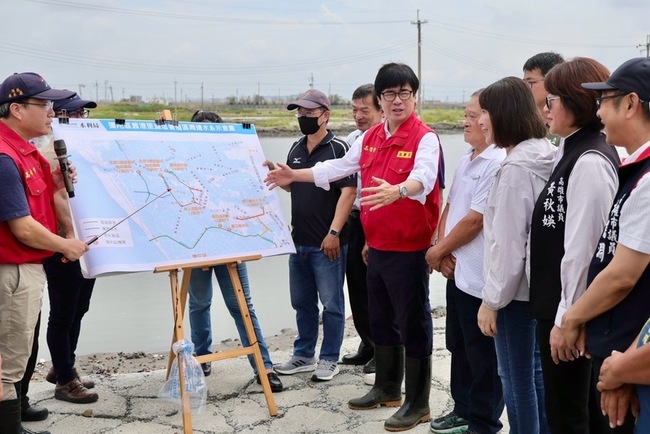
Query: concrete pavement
[128, 403]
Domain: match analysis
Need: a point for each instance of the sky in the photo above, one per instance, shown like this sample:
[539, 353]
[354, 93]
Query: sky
[180, 50]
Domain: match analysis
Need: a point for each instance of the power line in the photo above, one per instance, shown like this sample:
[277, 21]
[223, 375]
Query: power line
[204, 18]
[195, 69]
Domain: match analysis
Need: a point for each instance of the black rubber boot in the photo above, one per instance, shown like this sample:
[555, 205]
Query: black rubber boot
[415, 409]
[28, 413]
[388, 380]
[10, 416]
[24, 430]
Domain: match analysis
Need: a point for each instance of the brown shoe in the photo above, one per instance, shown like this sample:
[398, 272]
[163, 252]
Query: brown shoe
[75, 392]
[51, 377]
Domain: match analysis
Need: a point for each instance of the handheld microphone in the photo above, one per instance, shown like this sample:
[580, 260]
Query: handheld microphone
[62, 155]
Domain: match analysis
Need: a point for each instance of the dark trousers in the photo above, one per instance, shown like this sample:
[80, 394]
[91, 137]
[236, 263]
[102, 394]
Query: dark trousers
[70, 296]
[599, 424]
[355, 273]
[29, 369]
[566, 387]
[398, 301]
[475, 383]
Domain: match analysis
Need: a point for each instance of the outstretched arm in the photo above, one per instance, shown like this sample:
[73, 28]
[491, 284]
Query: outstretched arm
[285, 175]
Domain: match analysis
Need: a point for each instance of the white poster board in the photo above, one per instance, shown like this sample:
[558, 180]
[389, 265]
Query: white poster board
[217, 205]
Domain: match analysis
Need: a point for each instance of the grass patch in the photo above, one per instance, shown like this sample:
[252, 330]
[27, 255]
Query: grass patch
[262, 117]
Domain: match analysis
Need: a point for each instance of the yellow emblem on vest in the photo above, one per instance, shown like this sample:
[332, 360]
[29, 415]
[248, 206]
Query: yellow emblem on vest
[405, 154]
[31, 172]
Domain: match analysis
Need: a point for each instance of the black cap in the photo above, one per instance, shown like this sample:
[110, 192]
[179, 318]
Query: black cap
[73, 104]
[30, 85]
[631, 76]
[311, 99]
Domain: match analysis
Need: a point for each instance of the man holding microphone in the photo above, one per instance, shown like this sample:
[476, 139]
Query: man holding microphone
[28, 231]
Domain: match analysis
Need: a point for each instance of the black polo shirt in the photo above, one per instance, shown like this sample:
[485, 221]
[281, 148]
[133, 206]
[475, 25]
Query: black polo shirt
[312, 208]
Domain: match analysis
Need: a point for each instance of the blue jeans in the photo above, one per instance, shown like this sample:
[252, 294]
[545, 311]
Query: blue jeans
[520, 369]
[201, 300]
[312, 276]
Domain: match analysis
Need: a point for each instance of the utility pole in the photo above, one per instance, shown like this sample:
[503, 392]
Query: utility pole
[201, 95]
[311, 80]
[419, 24]
[96, 91]
[175, 99]
[646, 45]
[81, 86]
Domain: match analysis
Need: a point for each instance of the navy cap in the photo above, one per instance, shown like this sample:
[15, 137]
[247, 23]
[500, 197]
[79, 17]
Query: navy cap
[73, 104]
[631, 76]
[29, 85]
[311, 99]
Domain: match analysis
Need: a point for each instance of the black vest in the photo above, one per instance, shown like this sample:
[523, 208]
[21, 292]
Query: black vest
[548, 223]
[617, 328]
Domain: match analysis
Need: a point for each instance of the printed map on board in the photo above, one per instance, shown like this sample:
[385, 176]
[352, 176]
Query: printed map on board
[217, 205]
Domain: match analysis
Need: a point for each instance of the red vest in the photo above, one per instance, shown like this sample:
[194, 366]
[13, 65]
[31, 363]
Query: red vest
[405, 225]
[37, 180]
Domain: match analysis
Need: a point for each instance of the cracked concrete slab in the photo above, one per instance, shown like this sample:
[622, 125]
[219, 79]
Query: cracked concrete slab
[129, 403]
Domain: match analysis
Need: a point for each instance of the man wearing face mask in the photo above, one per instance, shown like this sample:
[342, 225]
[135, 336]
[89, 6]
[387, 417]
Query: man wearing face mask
[320, 233]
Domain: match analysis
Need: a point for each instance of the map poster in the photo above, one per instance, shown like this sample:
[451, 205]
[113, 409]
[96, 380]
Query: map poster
[198, 187]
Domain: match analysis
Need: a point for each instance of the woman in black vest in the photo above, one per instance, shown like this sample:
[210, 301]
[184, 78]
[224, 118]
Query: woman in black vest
[568, 219]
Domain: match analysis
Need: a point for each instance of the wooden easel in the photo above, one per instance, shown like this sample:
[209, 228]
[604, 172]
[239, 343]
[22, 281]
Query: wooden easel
[179, 299]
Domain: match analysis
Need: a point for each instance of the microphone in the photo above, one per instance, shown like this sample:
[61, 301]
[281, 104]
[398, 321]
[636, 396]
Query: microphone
[62, 155]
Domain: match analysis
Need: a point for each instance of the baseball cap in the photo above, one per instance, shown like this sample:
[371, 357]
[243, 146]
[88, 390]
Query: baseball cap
[310, 100]
[631, 76]
[73, 103]
[29, 85]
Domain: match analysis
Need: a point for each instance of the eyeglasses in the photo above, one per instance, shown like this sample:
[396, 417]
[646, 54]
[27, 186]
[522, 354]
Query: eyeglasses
[82, 113]
[599, 100]
[313, 113]
[549, 99]
[47, 104]
[390, 95]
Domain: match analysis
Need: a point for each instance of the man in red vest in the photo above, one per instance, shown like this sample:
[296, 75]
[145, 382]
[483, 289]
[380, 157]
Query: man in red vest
[399, 161]
[28, 229]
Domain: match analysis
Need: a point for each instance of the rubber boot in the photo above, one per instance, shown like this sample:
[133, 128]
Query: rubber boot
[415, 409]
[388, 379]
[10, 416]
[24, 430]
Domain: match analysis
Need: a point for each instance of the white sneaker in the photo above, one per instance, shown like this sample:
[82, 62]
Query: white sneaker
[296, 364]
[326, 370]
[369, 379]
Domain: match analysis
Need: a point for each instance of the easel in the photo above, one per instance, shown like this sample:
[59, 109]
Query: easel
[179, 299]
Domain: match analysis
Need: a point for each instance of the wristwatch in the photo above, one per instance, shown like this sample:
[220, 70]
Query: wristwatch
[334, 232]
[403, 192]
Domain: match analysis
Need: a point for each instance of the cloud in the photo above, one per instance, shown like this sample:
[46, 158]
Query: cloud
[150, 47]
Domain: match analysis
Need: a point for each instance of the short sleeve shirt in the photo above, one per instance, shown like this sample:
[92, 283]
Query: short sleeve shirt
[13, 203]
[313, 208]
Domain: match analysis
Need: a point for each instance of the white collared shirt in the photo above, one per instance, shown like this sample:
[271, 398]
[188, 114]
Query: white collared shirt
[469, 190]
[425, 168]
